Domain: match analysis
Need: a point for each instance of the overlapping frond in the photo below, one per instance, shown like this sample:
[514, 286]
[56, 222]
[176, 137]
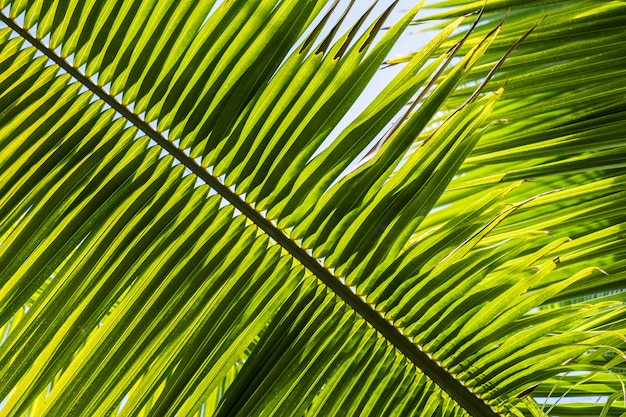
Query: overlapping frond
[181, 233]
[560, 128]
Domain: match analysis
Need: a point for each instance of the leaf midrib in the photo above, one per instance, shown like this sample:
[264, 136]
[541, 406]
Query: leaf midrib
[459, 392]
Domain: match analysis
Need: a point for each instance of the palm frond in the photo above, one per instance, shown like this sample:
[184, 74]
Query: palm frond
[182, 233]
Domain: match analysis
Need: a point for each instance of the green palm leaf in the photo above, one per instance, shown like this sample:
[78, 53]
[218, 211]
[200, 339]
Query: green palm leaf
[184, 232]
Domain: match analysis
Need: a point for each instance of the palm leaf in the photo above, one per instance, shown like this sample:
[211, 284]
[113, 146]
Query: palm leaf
[183, 232]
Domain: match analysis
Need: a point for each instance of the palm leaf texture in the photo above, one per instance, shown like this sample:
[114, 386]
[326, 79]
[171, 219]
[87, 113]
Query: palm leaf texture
[188, 228]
